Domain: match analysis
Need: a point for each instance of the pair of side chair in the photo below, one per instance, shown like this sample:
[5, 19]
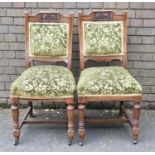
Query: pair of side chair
[102, 37]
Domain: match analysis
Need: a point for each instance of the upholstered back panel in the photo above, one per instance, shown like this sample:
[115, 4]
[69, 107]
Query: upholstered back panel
[48, 39]
[103, 38]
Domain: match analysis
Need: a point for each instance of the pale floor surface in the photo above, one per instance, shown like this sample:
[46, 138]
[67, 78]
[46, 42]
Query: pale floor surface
[54, 137]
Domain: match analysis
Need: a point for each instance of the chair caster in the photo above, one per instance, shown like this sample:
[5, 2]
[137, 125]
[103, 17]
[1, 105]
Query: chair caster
[81, 143]
[134, 141]
[16, 142]
[70, 142]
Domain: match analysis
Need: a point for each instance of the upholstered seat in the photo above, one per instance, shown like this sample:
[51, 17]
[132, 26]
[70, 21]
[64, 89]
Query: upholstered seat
[107, 81]
[44, 81]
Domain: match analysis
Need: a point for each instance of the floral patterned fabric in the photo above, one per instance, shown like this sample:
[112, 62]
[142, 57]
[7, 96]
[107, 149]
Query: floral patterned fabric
[48, 39]
[46, 81]
[107, 81]
[103, 38]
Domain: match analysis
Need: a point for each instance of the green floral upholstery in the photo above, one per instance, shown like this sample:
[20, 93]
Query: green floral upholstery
[48, 39]
[107, 81]
[44, 81]
[103, 38]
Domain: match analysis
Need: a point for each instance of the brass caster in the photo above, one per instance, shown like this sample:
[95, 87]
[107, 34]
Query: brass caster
[134, 141]
[69, 142]
[16, 142]
[81, 143]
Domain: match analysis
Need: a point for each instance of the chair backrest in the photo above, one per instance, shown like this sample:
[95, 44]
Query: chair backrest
[103, 37]
[48, 37]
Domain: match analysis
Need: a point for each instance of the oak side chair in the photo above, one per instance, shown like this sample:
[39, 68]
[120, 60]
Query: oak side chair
[103, 37]
[48, 38]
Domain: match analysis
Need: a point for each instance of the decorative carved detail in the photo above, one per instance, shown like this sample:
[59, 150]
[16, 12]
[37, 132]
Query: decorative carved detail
[99, 16]
[81, 107]
[50, 17]
[135, 123]
[14, 107]
[70, 107]
[137, 106]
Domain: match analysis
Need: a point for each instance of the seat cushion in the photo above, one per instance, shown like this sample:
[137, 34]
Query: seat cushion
[107, 81]
[44, 81]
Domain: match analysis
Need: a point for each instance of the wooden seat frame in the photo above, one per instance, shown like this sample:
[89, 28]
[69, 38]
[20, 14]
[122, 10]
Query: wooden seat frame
[107, 15]
[44, 17]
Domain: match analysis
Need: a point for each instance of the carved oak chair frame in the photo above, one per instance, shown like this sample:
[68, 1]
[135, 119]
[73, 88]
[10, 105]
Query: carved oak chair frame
[107, 15]
[42, 17]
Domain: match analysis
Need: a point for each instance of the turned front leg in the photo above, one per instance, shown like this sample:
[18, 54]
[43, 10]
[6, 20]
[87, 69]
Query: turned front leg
[81, 109]
[70, 113]
[15, 117]
[136, 116]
